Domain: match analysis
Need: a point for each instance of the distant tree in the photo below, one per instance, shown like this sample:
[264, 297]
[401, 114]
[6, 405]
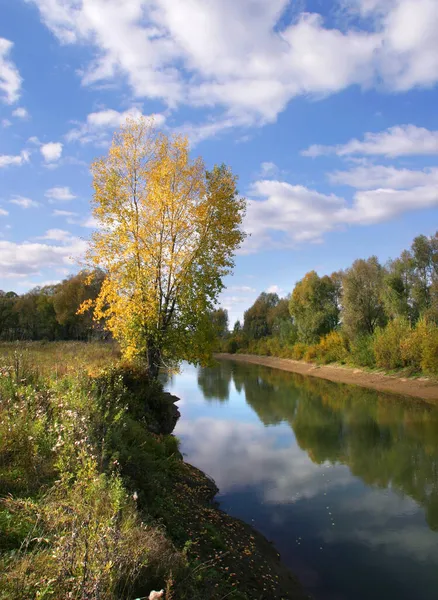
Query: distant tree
[362, 299]
[70, 295]
[8, 316]
[281, 322]
[219, 319]
[257, 322]
[314, 306]
[237, 328]
[398, 286]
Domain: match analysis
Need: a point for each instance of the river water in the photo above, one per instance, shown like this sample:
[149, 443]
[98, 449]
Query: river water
[343, 480]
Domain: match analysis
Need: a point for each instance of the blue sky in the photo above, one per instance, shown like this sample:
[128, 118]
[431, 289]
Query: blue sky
[326, 110]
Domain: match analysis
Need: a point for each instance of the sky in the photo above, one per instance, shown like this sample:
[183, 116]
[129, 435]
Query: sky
[325, 109]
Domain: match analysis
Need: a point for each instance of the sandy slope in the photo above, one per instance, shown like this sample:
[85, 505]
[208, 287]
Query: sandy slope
[424, 388]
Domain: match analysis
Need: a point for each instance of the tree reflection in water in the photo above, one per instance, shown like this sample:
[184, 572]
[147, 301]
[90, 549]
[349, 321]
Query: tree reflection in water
[387, 441]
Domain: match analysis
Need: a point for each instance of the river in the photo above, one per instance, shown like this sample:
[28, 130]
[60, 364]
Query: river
[342, 479]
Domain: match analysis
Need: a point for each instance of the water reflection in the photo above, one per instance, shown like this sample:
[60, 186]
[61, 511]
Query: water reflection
[386, 441]
[342, 479]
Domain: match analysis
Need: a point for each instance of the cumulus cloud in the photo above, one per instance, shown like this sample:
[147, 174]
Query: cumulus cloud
[10, 80]
[99, 125]
[23, 202]
[59, 194]
[379, 176]
[3, 212]
[19, 260]
[401, 140]
[280, 214]
[245, 56]
[20, 113]
[7, 160]
[57, 235]
[51, 151]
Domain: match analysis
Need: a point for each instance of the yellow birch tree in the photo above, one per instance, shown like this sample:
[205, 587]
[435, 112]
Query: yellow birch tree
[166, 233]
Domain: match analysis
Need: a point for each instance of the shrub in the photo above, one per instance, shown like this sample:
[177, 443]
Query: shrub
[90, 544]
[311, 354]
[387, 343]
[361, 351]
[411, 347]
[332, 348]
[298, 351]
[429, 358]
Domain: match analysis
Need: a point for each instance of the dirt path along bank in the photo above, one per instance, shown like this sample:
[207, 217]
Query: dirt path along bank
[423, 388]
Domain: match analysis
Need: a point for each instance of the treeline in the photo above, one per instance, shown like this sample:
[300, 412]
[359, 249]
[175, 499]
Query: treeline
[51, 312]
[369, 315]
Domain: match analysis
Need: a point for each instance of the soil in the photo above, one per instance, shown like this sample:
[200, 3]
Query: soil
[426, 389]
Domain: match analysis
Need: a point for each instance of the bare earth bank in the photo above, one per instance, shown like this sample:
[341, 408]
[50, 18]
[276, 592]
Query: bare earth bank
[423, 388]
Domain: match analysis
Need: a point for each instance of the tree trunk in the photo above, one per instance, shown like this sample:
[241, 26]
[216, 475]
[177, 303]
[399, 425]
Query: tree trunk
[153, 361]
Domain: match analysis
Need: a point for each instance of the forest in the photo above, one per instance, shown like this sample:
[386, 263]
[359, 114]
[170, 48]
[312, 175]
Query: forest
[369, 315]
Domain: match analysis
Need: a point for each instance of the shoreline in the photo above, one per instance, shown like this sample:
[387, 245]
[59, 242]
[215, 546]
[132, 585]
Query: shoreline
[421, 388]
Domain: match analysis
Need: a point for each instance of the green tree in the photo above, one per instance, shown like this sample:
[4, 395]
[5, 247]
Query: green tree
[8, 316]
[257, 322]
[219, 319]
[314, 306]
[70, 295]
[398, 285]
[362, 297]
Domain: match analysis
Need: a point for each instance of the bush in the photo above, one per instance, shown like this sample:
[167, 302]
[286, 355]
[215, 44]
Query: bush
[298, 351]
[91, 543]
[387, 344]
[361, 351]
[411, 347]
[429, 358]
[312, 353]
[332, 348]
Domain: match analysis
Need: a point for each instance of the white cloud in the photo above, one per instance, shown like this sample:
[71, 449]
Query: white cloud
[51, 151]
[281, 215]
[10, 80]
[379, 176]
[7, 160]
[99, 125]
[401, 140]
[23, 202]
[30, 258]
[245, 56]
[64, 213]
[268, 169]
[20, 113]
[275, 289]
[57, 235]
[6, 123]
[376, 206]
[59, 194]
[3, 212]
[295, 213]
[90, 222]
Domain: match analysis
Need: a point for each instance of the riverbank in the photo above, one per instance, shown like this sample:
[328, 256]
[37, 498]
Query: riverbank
[422, 388]
[96, 500]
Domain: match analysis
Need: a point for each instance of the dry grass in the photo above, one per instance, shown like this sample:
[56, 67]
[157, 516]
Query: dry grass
[54, 360]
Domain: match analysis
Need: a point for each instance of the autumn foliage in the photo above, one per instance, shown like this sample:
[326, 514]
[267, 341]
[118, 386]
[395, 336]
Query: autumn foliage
[167, 232]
